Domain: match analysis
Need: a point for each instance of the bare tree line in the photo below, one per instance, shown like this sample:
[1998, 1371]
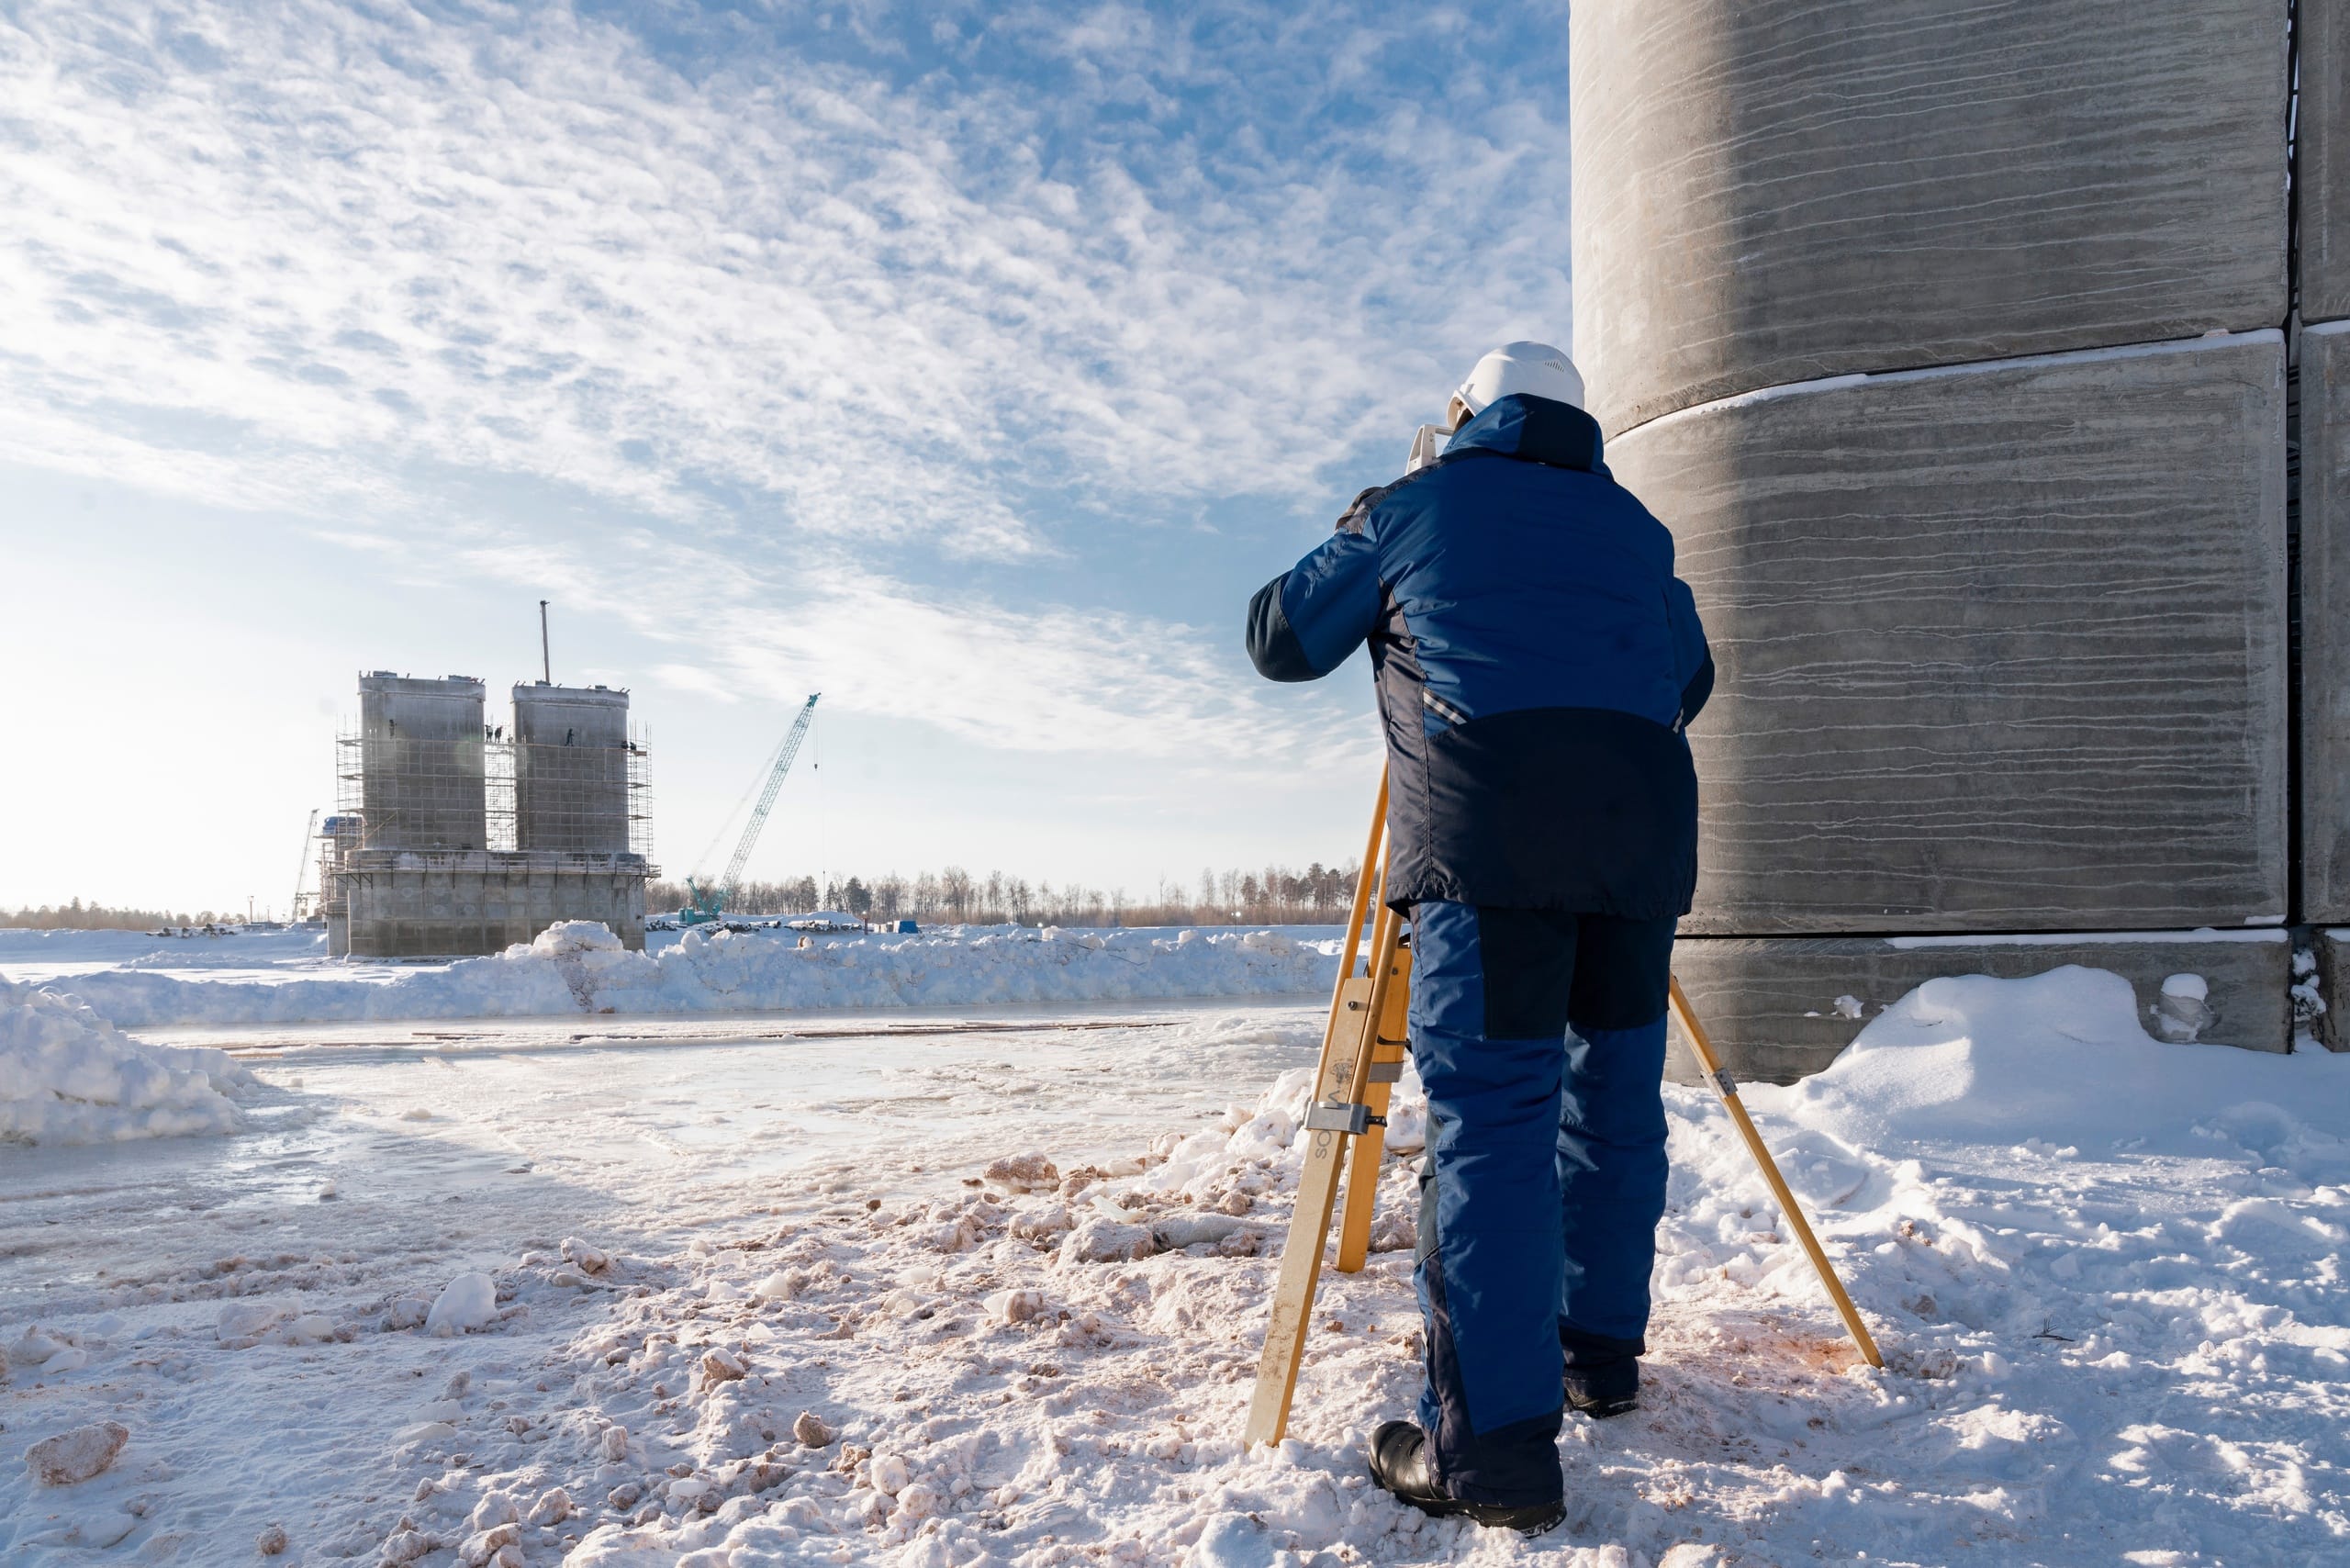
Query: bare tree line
[79, 916]
[1275, 895]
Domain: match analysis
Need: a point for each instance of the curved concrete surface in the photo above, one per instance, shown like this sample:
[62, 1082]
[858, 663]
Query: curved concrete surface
[2001, 648]
[2324, 192]
[1771, 192]
[2325, 626]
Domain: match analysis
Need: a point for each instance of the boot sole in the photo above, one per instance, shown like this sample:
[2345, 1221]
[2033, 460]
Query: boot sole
[1528, 1522]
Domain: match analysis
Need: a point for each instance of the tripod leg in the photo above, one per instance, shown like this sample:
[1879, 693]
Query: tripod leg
[1388, 1048]
[1711, 1065]
[1339, 1089]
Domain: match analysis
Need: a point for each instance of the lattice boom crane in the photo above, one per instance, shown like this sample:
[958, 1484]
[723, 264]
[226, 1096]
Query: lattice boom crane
[704, 905]
[302, 867]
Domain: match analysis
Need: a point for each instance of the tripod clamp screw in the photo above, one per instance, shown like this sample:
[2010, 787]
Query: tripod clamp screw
[1337, 1116]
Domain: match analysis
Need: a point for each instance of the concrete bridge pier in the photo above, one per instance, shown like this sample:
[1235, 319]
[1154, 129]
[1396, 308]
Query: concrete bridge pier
[1958, 347]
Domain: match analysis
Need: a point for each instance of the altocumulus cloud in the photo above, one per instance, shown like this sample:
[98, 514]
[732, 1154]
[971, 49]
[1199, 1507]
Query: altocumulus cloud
[827, 302]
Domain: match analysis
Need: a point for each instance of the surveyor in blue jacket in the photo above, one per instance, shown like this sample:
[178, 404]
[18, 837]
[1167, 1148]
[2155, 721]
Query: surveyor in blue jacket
[1535, 663]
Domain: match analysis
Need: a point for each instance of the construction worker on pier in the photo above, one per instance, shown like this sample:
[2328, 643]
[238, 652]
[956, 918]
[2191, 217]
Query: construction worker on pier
[1536, 661]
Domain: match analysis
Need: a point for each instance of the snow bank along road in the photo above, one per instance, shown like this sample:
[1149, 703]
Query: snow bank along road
[579, 967]
[498, 1303]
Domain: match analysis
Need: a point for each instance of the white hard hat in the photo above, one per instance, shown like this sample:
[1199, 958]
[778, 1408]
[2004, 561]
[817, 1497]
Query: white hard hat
[1537, 369]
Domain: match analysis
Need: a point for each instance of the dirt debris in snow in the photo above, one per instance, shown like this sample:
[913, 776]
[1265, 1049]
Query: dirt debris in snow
[71, 1457]
[1022, 1172]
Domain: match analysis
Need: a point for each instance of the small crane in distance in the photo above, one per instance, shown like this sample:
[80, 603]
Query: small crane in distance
[302, 867]
[705, 906]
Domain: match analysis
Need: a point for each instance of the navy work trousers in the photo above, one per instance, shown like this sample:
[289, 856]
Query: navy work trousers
[1545, 1175]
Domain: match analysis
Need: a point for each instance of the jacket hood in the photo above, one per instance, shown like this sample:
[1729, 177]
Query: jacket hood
[1535, 430]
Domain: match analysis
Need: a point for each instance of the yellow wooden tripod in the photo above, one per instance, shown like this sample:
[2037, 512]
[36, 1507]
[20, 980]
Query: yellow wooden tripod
[1362, 1056]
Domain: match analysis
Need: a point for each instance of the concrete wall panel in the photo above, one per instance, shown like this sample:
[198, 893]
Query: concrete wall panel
[2325, 623]
[2000, 649]
[1779, 1008]
[1770, 192]
[2332, 1026]
[2323, 190]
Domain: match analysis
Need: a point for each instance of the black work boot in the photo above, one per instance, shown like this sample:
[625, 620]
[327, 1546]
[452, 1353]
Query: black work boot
[1399, 1462]
[1601, 1392]
[1603, 1374]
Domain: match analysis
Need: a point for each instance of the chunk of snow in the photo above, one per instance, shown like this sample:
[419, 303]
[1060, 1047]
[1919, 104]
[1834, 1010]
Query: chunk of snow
[1015, 1306]
[71, 1458]
[566, 937]
[467, 1302]
[242, 1323]
[1176, 1232]
[408, 1545]
[589, 1260]
[492, 1511]
[1023, 1173]
[1105, 1241]
[35, 1346]
[1232, 1540]
[310, 1328]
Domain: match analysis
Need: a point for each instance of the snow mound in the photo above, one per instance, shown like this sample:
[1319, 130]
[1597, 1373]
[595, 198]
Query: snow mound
[580, 967]
[2059, 1056]
[67, 1076]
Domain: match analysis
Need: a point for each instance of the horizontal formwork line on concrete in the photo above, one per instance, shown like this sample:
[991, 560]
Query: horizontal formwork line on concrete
[1968, 367]
[2278, 932]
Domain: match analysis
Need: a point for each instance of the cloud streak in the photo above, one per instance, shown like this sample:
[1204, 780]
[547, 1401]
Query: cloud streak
[852, 310]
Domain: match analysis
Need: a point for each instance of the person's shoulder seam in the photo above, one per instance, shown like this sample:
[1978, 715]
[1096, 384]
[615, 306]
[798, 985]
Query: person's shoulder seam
[1355, 518]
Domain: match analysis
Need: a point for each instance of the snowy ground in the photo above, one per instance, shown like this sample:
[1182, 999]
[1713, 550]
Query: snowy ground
[2106, 1272]
[136, 980]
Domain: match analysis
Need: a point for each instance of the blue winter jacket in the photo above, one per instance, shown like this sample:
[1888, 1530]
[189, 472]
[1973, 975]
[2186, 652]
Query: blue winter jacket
[1536, 661]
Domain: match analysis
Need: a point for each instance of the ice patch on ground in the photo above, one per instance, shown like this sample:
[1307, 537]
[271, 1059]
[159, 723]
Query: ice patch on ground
[66, 1076]
[579, 967]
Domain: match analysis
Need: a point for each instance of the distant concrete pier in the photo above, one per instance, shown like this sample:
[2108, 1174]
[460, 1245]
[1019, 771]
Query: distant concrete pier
[454, 835]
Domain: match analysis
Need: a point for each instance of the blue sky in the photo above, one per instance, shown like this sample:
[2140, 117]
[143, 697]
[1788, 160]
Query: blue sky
[970, 364]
